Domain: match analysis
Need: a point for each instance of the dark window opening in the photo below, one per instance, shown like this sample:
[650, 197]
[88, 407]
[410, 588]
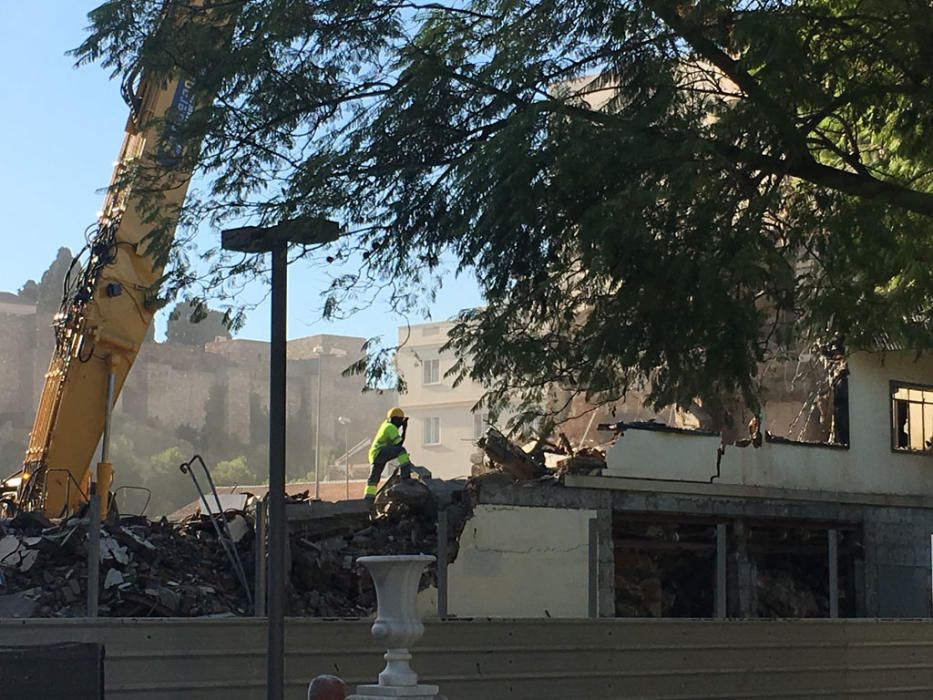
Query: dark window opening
[789, 570]
[664, 568]
[841, 409]
[667, 567]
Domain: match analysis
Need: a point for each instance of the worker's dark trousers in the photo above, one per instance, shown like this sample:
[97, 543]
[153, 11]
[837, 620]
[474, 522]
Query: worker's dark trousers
[387, 454]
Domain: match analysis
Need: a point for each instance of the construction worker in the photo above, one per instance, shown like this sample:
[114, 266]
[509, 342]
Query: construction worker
[388, 444]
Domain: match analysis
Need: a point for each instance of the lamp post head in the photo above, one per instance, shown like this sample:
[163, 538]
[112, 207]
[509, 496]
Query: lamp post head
[263, 239]
[343, 420]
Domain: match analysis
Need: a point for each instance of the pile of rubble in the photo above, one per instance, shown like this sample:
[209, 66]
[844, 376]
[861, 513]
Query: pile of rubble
[326, 581]
[146, 568]
[538, 460]
[189, 568]
[163, 569]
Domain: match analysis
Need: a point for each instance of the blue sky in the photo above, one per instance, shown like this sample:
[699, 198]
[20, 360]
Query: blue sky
[60, 131]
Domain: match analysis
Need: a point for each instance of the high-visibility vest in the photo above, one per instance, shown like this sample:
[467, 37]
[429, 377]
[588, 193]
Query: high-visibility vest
[387, 436]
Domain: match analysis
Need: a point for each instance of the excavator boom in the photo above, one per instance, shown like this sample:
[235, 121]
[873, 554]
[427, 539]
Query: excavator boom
[107, 312]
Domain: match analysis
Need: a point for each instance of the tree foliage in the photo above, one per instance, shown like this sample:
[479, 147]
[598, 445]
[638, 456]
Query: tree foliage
[233, 472]
[647, 191]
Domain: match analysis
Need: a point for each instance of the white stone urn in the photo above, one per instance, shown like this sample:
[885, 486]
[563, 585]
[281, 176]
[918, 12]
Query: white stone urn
[398, 625]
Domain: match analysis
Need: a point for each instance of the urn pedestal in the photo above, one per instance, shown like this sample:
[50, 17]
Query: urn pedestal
[397, 626]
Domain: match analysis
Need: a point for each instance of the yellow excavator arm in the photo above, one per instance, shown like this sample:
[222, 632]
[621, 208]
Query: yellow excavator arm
[106, 314]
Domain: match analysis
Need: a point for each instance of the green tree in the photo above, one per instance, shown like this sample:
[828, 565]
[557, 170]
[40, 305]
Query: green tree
[233, 472]
[647, 191]
[192, 323]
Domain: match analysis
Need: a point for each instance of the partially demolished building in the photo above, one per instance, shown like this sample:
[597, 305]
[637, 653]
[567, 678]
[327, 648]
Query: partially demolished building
[668, 523]
[676, 526]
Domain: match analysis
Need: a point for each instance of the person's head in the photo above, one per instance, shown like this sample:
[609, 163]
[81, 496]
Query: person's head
[327, 688]
[396, 417]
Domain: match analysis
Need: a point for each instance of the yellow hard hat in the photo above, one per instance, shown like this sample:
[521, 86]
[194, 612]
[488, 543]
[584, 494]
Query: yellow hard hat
[395, 413]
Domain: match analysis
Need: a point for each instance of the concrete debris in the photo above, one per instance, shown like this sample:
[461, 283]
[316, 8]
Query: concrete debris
[28, 558]
[147, 568]
[9, 548]
[160, 569]
[589, 460]
[137, 539]
[16, 555]
[111, 549]
[325, 579]
[113, 578]
[540, 459]
[228, 502]
[238, 527]
[510, 458]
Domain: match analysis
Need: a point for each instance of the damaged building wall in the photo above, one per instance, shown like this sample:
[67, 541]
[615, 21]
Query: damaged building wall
[691, 456]
[884, 548]
[522, 562]
[868, 465]
[663, 454]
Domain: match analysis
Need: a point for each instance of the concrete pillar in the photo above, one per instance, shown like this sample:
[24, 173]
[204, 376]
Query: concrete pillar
[745, 602]
[833, 537]
[606, 606]
[721, 584]
[593, 570]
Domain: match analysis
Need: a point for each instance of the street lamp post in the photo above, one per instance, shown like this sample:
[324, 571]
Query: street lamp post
[345, 422]
[275, 240]
[317, 431]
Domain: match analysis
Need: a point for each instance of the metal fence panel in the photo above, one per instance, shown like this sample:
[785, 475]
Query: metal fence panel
[198, 659]
[69, 671]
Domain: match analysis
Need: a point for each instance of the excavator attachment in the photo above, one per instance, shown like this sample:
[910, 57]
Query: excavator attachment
[108, 307]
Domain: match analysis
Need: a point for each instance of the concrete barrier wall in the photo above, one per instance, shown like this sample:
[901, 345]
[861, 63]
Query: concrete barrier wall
[517, 659]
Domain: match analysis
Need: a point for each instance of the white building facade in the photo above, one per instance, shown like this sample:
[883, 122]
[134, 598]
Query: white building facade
[443, 429]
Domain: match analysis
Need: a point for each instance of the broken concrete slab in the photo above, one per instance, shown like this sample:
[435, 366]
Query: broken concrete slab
[113, 578]
[28, 560]
[238, 527]
[510, 458]
[228, 502]
[111, 549]
[9, 551]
